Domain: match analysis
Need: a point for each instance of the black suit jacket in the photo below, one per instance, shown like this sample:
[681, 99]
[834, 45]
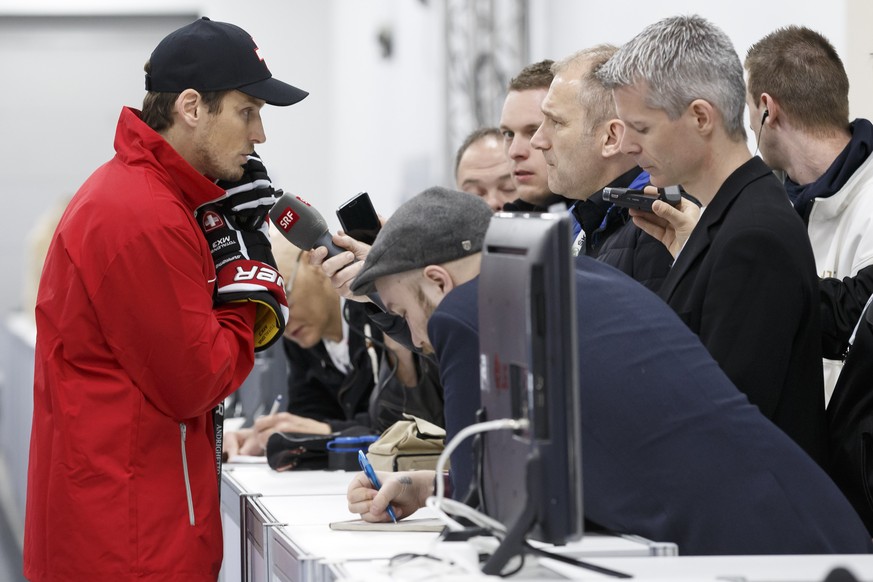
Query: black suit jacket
[746, 284]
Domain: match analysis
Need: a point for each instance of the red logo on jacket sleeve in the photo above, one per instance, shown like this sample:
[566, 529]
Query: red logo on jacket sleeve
[211, 220]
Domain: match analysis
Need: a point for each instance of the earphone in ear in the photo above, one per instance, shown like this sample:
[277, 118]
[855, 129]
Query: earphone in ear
[761, 130]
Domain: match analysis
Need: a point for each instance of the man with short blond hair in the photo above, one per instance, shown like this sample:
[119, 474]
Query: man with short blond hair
[798, 98]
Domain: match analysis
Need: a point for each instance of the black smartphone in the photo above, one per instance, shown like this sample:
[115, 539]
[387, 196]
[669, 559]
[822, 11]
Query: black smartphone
[358, 218]
[639, 199]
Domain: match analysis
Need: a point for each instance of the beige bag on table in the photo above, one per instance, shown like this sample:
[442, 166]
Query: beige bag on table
[408, 445]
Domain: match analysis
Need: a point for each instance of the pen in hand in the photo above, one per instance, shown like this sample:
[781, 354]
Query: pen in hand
[276, 403]
[367, 468]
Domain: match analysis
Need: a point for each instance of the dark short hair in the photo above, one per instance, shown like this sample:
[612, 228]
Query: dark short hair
[801, 69]
[157, 108]
[473, 137]
[534, 76]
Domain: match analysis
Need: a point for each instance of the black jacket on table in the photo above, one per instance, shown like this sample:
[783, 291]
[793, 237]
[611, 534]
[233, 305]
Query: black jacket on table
[318, 389]
[612, 238]
[746, 284]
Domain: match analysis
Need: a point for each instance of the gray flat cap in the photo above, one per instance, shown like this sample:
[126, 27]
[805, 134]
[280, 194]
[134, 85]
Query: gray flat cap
[432, 228]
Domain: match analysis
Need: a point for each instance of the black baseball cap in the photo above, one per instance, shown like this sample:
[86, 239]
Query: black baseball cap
[215, 56]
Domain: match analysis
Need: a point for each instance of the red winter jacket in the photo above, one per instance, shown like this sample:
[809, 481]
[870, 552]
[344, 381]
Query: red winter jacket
[131, 357]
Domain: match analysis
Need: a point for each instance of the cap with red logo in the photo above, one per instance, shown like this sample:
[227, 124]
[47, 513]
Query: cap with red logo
[215, 56]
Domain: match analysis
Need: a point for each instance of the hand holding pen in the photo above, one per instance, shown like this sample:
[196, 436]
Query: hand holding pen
[276, 404]
[367, 468]
[279, 419]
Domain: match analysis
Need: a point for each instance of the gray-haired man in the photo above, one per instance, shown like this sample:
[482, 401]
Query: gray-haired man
[745, 280]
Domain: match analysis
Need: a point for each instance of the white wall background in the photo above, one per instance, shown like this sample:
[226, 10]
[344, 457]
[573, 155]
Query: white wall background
[561, 27]
[370, 123]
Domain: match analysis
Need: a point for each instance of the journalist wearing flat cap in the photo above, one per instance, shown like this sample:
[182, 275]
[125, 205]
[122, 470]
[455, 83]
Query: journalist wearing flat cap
[732, 463]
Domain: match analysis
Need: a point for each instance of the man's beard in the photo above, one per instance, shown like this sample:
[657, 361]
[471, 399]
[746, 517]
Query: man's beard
[428, 307]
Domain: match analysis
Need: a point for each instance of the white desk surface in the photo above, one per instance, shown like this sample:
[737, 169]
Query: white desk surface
[601, 545]
[798, 568]
[307, 501]
[804, 568]
[318, 510]
[264, 480]
[327, 544]
[306, 519]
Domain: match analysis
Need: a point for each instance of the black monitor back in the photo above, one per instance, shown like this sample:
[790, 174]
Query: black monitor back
[529, 369]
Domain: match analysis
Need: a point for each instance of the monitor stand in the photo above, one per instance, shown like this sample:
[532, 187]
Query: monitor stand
[513, 543]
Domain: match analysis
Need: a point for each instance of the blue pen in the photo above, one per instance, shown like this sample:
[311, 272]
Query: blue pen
[367, 468]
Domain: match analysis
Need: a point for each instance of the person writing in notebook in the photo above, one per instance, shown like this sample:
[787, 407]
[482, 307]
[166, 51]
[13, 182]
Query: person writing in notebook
[343, 373]
[718, 466]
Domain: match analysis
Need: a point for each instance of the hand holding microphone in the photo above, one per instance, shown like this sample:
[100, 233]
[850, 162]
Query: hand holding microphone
[342, 269]
[304, 227]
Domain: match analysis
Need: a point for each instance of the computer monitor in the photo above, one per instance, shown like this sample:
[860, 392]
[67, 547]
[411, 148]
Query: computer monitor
[531, 481]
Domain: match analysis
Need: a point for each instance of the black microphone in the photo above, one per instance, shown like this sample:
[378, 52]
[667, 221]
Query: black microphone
[306, 229]
[302, 225]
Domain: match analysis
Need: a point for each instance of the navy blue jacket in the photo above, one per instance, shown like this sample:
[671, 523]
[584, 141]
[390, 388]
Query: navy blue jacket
[671, 449]
[614, 239]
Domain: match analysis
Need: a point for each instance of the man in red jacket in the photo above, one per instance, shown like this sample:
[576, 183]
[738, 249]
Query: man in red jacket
[158, 286]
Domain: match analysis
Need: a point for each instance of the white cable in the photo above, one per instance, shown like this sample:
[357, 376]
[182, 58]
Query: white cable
[463, 510]
[444, 506]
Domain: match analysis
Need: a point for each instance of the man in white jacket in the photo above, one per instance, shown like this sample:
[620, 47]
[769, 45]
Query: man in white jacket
[798, 98]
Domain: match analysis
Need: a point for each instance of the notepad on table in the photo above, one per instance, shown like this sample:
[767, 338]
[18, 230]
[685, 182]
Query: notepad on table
[412, 524]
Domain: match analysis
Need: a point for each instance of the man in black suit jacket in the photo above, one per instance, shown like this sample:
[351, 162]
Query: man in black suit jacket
[745, 280]
[670, 449]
